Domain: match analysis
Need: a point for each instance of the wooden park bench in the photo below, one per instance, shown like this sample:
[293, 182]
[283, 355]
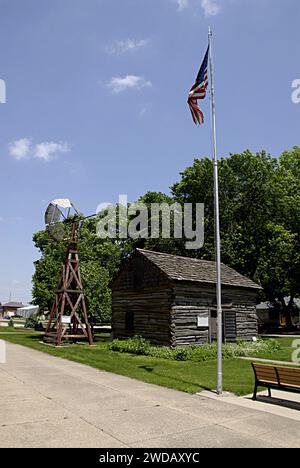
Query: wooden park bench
[276, 377]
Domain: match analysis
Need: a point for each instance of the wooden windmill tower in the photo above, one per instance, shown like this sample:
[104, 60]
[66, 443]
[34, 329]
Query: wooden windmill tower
[69, 317]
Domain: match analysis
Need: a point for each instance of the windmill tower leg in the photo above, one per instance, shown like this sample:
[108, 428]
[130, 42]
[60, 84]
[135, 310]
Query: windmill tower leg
[69, 317]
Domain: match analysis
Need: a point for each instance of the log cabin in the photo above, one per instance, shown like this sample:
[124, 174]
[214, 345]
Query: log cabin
[171, 301]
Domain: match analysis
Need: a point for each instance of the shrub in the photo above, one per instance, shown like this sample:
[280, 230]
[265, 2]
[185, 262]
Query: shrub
[136, 345]
[141, 346]
[181, 354]
[11, 323]
[32, 322]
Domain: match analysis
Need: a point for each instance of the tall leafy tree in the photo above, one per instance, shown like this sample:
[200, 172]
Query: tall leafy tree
[99, 260]
[259, 207]
[159, 244]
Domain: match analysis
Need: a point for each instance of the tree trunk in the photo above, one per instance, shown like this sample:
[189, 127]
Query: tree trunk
[287, 311]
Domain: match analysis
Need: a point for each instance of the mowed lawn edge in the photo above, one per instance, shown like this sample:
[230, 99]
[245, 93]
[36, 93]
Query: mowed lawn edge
[186, 376]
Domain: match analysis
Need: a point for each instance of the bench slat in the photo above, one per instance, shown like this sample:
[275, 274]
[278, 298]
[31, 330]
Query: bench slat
[264, 381]
[288, 378]
[288, 385]
[266, 374]
[289, 372]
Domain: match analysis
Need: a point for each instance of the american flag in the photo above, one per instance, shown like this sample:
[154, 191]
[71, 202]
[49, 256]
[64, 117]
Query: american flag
[198, 91]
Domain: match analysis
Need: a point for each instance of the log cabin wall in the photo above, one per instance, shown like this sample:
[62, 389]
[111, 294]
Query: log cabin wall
[141, 303]
[184, 327]
[192, 301]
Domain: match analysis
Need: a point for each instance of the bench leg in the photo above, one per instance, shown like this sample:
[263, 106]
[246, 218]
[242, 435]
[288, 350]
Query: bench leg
[269, 392]
[255, 392]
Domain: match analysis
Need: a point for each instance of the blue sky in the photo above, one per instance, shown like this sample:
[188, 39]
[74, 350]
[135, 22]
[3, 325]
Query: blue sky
[96, 101]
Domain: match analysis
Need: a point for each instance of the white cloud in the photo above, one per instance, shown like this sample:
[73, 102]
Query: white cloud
[119, 84]
[24, 149]
[210, 7]
[182, 4]
[48, 150]
[127, 45]
[20, 149]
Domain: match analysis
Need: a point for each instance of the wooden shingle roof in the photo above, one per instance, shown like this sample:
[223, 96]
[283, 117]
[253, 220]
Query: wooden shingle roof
[200, 271]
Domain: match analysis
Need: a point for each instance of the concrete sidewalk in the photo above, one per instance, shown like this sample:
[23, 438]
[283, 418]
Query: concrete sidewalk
[51, 402]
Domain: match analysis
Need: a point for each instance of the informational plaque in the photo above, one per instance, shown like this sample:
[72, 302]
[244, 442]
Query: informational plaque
[202, 321]
[66, 319]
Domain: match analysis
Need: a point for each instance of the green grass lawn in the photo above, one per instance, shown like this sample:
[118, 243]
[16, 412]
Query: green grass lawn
[284, 353]
[186, 376]
[13, 330]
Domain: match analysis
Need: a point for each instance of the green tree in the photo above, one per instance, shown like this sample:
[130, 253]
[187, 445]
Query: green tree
[159, 244]
[47, 269]
[259, 216]
[278, 268]
[99, 261]
[245, 204]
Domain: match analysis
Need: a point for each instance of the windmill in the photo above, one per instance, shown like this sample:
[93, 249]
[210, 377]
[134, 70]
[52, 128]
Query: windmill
[68, 317]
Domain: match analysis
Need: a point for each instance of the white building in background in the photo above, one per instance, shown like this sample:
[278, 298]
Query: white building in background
[27, 311]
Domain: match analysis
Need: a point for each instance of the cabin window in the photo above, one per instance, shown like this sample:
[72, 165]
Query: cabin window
[129, 321]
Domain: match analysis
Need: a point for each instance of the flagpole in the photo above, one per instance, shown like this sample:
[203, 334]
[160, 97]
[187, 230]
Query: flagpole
[217, 222]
